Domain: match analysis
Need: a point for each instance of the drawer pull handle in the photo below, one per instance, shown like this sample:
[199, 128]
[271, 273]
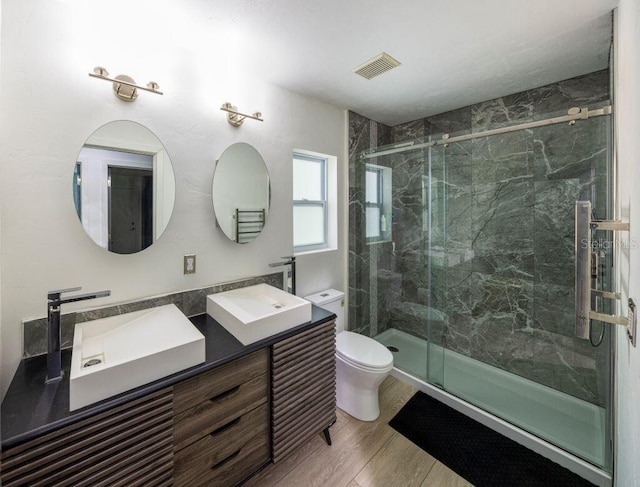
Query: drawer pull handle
[225, 427]
[228, 459]
[224, 394]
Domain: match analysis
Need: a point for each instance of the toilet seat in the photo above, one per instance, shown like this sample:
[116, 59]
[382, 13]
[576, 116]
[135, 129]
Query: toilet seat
[363, 352]
[364, 368]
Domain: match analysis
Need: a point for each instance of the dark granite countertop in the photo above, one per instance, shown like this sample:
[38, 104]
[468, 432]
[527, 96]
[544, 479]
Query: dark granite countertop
[32, 408]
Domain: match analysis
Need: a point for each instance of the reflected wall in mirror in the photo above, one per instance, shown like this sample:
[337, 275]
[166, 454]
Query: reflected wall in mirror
[123, 187]
[241, 192]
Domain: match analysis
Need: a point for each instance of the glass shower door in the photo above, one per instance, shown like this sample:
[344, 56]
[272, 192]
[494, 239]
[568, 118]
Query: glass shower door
[400, 260]
[508, 294]
[438, 259]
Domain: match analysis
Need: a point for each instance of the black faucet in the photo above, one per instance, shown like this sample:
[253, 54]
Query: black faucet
[291, 260]
[54, 366]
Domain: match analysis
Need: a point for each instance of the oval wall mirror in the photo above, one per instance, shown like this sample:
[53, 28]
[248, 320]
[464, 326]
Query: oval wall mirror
[123, 187]
[241, 192]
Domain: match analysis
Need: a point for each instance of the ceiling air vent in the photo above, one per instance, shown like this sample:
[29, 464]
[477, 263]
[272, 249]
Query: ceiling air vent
[375, 66]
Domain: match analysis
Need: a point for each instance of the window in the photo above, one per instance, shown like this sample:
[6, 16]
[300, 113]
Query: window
[309, 202]
[377, 201]
[373, 200]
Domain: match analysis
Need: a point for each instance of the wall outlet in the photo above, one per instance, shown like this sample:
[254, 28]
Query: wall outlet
[190, 264]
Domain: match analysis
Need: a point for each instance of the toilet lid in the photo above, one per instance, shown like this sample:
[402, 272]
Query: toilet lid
[362, 350]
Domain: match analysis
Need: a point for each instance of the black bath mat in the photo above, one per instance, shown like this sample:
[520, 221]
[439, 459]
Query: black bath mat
[477, 453]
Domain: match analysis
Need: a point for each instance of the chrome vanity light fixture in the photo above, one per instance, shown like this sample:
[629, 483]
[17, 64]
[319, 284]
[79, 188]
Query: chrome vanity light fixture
[235, 118]
[124, 87]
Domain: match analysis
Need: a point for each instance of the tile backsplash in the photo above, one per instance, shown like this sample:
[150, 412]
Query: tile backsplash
[191, 303]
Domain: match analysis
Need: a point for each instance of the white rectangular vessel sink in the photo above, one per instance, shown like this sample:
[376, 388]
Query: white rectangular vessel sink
[256, 312]
[113, 355]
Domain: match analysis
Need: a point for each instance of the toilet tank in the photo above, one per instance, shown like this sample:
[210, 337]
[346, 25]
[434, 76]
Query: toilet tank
[333, 301]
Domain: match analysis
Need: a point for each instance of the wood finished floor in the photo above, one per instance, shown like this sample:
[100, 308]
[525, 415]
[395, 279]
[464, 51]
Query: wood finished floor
[363, 454]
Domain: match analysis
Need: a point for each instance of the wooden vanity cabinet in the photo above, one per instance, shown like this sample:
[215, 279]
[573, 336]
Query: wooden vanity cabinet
[214, 429]
[303, 388]
[129, 445]
[221, 423]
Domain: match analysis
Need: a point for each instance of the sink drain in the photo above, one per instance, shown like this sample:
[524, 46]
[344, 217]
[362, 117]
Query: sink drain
[93, 361]
[392, 348]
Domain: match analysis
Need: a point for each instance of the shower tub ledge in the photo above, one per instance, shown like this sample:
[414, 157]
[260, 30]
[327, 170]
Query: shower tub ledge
[548, 410]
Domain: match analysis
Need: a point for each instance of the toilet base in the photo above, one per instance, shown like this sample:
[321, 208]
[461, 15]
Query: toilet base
[358, 402]
[357, 390]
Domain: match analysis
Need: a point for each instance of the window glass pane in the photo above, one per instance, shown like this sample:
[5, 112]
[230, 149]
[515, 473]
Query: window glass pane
[308, 225]
[372, 186]
[308, 180]
[373, 222]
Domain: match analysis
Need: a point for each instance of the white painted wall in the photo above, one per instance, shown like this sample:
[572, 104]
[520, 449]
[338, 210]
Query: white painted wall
[2, 125]
[50, 106]
[627, 106]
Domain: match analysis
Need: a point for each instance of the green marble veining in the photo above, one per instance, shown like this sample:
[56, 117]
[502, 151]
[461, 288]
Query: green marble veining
[494, 271]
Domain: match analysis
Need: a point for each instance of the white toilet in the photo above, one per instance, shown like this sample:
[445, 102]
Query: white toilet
[361, 362]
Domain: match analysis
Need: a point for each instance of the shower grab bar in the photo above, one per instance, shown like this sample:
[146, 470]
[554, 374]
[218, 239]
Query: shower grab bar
[584, 225]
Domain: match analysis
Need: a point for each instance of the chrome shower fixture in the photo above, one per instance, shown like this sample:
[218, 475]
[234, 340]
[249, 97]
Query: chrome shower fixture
[124, 86]
[586, 275]
[235, 118]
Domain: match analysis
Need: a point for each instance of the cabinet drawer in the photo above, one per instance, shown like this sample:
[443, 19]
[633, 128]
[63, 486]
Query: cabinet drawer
[227, 454]
[210, 384]
[232, 469]
[213, 413]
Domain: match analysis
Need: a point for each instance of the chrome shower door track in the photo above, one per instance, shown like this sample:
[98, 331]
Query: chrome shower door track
[571, 118]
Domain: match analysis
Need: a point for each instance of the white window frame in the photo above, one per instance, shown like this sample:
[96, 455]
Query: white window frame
[384, 197]
[323, 203]
[379, 204]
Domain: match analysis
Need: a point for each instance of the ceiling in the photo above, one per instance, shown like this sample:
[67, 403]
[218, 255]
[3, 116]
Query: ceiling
[454, 53]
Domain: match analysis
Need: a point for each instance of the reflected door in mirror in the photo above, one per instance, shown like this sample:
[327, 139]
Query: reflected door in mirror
[130, 209]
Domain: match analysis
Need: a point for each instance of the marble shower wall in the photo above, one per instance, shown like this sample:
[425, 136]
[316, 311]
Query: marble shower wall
[495, 270]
